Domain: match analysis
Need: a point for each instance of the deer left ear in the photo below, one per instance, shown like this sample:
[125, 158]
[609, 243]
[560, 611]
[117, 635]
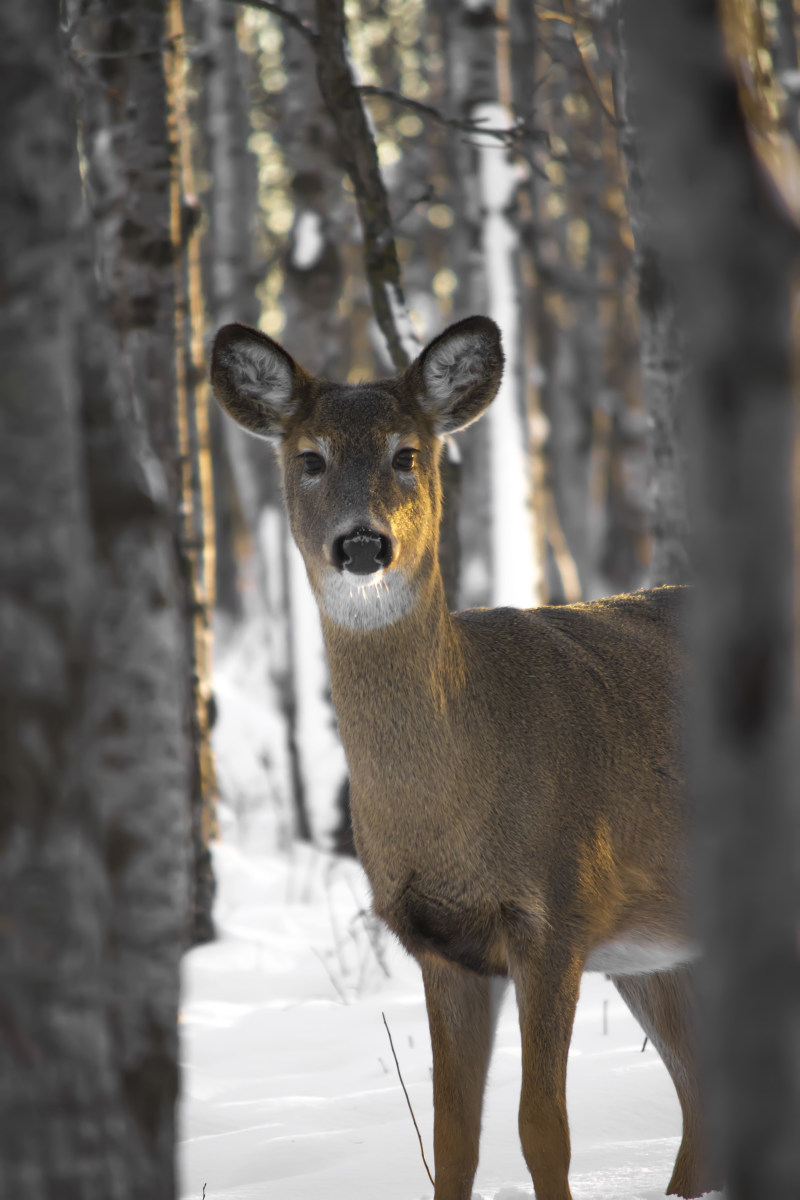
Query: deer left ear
[459, 372]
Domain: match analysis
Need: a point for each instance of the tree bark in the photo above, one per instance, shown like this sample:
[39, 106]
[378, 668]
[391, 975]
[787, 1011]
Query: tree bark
[468, 51]
[232, 274]
[93, 816]
[360, 159]
[662, 354]
[143, 231]
[732, 254]
[196, 508]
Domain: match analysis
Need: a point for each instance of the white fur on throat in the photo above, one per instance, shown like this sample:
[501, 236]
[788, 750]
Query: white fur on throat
[453, 366]
[365, 602]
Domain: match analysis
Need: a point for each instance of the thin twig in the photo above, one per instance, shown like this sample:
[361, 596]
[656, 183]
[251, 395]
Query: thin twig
[408, 1102]
[424, 198]
[331, 976]
[372, 929]
[337, 940]
[506, 134]
[511, 136]
[299, 26]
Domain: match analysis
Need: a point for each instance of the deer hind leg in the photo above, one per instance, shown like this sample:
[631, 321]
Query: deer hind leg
[663, 1004]
[462, 1013]
[547, 993]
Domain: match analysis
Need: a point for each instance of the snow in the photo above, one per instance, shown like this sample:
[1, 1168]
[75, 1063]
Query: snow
[289, 1086]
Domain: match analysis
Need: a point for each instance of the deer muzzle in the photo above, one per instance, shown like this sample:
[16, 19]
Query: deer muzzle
[362, 552]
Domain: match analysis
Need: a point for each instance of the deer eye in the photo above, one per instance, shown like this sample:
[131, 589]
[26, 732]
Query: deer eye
[313, 464]
[405, 459]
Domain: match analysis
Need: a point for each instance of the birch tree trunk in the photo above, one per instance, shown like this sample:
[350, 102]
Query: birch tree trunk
[93, 747]
[732, 253]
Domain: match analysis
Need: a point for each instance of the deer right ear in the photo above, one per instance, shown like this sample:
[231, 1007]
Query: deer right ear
[255, 380]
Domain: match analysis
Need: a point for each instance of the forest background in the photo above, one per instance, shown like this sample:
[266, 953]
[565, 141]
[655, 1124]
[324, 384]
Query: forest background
[350, 178]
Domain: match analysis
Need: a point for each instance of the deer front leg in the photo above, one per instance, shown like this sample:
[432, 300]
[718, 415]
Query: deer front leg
[462, 1010]
[547, 993]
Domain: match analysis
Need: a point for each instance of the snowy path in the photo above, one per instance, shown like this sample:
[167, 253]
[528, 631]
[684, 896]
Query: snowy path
[289, 1092]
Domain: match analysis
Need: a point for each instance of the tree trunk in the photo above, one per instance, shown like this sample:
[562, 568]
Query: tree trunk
[196, 509]
[468, 51]
[231, 256]
[732, 254]
[93, 823]
[663, 361]
[143, 231]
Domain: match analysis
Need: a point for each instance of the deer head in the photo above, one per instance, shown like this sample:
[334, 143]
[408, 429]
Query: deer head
[360, 462]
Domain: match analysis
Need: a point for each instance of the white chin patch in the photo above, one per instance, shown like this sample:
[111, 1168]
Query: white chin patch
[365, 602]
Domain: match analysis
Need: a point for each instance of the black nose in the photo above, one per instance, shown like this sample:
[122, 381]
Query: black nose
[362, 552]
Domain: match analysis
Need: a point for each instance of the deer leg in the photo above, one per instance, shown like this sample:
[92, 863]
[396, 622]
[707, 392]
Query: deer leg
[547, 993]
[663, 1004]
[462, 1012]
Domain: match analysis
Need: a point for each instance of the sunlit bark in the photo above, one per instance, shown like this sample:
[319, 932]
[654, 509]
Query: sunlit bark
[197, 500]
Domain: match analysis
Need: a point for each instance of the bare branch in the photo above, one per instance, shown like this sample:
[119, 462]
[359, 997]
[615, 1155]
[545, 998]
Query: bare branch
[424, 198]
[508, 135]
[587, 69]
[408, 1102]
[360, 158]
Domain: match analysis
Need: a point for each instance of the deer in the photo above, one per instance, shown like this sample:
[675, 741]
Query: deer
[518, 791]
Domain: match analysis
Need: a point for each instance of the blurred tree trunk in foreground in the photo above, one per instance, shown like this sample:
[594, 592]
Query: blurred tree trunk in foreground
[93, 744]
[732, 253]
[661, 350]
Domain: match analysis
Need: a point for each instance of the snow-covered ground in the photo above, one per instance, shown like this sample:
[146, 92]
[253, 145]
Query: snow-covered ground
[289, 1086]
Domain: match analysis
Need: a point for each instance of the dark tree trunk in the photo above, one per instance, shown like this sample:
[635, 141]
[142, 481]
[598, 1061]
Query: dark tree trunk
[233, 271]
[732, 254]
[231, 254]
[93, 781]
[662, 356]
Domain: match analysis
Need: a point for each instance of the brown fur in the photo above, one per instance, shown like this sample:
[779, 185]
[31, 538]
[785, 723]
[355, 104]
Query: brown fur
[517, 786]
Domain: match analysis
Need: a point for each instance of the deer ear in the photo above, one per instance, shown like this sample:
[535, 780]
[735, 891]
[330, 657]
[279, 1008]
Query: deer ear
[460, 373]
[255, 380]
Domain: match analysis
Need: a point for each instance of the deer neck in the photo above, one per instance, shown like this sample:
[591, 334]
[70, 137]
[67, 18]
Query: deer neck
[389, 682]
